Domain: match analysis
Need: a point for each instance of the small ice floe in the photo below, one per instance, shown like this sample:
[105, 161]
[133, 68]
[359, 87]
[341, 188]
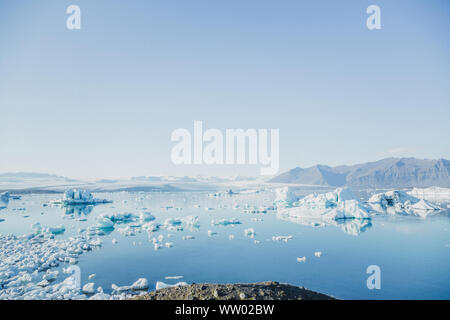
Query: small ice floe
[120, 289]
[162, 285]
[89, 288]
[282, 238]
[50, 276]
[146, 216]
[225, 222]
[56, 230]
[188, 237]
[257, 219]
[173, 277]
[140, 284]
[100, 296]
[302, 259]
[250, 232]
[231, 237]
[211, 233]
[318, 254]
[96, 242]
[92, 276]
[114, 241]
[6, 196]
[257, 241]
[191, 222]
[157, 246]
[79, 197]
[151, 227]
[209, 209]
[254, 210]
[104, 222]
[169, 244]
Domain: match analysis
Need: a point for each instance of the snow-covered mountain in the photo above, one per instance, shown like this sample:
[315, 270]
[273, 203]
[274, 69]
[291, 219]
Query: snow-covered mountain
[386, 173]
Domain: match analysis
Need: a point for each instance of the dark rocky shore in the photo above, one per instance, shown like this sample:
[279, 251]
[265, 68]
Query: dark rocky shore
[253, 291]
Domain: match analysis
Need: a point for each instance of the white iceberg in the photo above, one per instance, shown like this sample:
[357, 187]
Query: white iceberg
[432, 194]
[225, 222]
[162, 285]
[284, 196]
[140, 284]
[399, 202]
[80, 197]
[338, 204]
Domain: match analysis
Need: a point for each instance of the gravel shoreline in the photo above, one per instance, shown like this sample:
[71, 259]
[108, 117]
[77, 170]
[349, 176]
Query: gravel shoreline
[269, 290]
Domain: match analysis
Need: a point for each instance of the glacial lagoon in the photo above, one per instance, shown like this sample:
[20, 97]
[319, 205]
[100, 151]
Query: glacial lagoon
[413, 253]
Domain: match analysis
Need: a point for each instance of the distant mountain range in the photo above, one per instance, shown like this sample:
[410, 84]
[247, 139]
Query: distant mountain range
[386, 173]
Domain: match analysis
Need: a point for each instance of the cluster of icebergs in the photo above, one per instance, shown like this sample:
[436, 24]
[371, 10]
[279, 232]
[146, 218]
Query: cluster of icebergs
[343, 204]
[79, 197]
[342, 208]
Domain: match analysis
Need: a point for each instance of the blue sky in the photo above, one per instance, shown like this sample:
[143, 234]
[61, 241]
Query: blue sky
[102, 101]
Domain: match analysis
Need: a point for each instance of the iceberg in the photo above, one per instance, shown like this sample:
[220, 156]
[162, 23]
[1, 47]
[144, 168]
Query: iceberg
[399, 202]
[284, 196]
[140, 284]
[162, 285]
[432, 194]
[225, 222]
[338, 204]
[80, 196]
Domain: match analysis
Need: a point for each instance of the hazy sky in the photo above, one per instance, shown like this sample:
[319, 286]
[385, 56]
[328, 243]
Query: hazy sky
[102, 101]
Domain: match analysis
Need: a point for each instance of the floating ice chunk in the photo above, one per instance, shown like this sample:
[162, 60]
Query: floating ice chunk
[162, 285]
[96, 242]
[250, 232]
[284, 196]
[188, 237]
[146, 216]
[157, 246]
[281, 238]
[173, 277]
[117, 289]
[100, 296]
[89, 288]
[318, 254]
[92, 276]
[140, 284]
[114, 241]
[225, 222]
[231, 237]
[172, 222]
[191, 221]
[399, 202]
[432, 194]
[151, 227]
[338, 204]
[50, 276]
[56, 230]
[104, 222]
[302, 259]
[80, 196]
[169, 244]
[211, 233]
[209, 209]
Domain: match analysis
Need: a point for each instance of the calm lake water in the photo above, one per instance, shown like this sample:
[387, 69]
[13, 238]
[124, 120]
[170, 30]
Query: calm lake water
[413, 253]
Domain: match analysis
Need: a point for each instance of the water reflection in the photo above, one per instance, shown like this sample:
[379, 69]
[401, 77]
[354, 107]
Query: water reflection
[352, 227]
